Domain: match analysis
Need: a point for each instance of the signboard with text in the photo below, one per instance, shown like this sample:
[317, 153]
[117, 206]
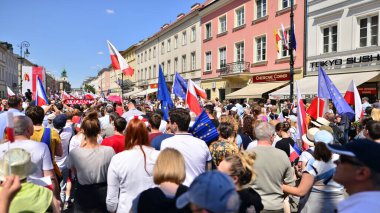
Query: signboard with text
[78, 101]
[271, 77]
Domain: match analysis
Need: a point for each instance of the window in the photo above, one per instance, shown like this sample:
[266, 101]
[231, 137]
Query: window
[175, 42]
[154, 52]
[146, 73]
[141, 57]
[285, 47]
[184, 38]
[285, 3]
[184, 63]
[168, 46]
[150, 53]
[150, 71]
[154, 71]
[193, 61]
[146, 56]
[175, 64]
[369, 31]
[260, 48]
[222, 57]
[239, 47]
[168, 70]
[330, 39]
[162, 48]
[138, 59]
[222, 24]
[193, 34]
[240, 17]
[208, 30]
[261, 6]
[163, 67]
[208, 61]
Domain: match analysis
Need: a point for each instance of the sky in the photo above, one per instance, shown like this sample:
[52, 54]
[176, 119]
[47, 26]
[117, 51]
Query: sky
[72, 34]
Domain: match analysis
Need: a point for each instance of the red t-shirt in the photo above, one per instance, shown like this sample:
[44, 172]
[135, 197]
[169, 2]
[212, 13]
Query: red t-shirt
[117, 142]
[119, 110]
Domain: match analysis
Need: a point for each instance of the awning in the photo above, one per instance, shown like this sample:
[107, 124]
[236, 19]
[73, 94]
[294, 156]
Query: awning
[309, 85]
[255, 90]
[145, 92]
[136, 90]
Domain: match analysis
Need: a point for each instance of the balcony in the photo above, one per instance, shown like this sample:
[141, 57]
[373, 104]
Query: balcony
[235, 70]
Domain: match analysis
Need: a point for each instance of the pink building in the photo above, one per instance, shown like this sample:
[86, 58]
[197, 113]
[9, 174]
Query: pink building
[239, 47]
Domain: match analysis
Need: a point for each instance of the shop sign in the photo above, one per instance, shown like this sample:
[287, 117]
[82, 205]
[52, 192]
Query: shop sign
[347, 61]
[367, 90]
[78, 101]
[271, 77]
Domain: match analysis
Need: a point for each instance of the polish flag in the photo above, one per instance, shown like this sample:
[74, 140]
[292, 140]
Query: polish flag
[284, 37]
[89, 96]
[192, 98]
[10, 92]
[41, 98]
[313, 110]
[352, 97]
[293, 153]
[10, 127]
[200, 92]
[301, 118]
[65, 95]
[118, 62]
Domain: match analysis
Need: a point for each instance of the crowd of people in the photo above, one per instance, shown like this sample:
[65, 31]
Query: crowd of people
[125, 157]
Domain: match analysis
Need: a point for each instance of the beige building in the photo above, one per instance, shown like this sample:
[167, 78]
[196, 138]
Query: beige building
[8, 69]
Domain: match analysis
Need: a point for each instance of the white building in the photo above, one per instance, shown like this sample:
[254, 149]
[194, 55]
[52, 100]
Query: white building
[8, 69]
[176, 47]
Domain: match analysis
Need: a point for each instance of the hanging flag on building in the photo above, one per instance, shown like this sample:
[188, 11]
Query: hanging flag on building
[204, 129]
[163, 94]
[10, 92]
[277, 39]
[41, 98]
[179, 86]
[284, 37]
[327, 89]
[118, 62]
[352, 97]
[293, 38]
[192, 98]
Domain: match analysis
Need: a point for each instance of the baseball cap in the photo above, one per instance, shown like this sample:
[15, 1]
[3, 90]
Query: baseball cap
[365, 150]
[323, 136]
[60, 121]
[213, 191]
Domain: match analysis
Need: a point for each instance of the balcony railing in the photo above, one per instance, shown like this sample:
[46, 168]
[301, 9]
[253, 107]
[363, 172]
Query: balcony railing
[235, 68]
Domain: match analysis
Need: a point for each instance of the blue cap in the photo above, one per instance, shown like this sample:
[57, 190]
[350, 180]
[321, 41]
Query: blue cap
[60, 121]
[213, 191]
[323, 136]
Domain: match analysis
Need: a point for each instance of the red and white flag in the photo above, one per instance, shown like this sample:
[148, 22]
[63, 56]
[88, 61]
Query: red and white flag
[10, 92]
[65, 95]
[118, 62]
[192, 98]
[41, 98]
[316, 109]
[301, 118]
[284, 37]
[199, 91]
[10, 127]
[89, 96]
[352, 97]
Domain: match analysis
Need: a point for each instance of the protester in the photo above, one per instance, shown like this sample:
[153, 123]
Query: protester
[194, 150]
[211, 192]
[31, 197]
[130, 171]
[117, 141]
[306, 155]
[240, 167]
[15, 107]
[282, 130]
[373, 130]
[358, 171]
[154, 122]
[132, 111]
[210, 113]
[225, 146]
[272, 167]
[247, 133]
[317, 179]
[105, 120]
[168, 174]
[110, 128]
[90, 164]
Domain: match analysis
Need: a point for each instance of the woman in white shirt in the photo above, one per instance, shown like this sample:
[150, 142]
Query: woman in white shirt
[131, 171]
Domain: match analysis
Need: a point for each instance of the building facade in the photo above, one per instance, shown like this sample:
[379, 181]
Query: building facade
[239, 47]
[51, 84]
[176, 47]
[8, 69]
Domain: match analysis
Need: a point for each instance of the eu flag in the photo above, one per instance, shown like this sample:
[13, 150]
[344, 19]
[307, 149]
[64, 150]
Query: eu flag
[163, 94]
[179, 86]
[327, 89]
[204, 129]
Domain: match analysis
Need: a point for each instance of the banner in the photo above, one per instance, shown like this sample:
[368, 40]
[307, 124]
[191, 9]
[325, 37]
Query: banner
[29, 78]
[78, 101]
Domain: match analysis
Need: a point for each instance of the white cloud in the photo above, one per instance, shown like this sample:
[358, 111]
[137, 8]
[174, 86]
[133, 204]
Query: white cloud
[110, 11]
[100, 53]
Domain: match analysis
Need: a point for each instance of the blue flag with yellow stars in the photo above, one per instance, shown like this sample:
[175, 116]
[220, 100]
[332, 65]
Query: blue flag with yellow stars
[179, 86]
[204, 129]
[163, 94]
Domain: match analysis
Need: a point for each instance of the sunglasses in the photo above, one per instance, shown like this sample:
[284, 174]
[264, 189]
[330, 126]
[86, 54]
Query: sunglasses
[350, 160]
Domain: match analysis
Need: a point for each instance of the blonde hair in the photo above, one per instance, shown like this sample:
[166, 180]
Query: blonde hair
[170, 167]
[242, 166]
[375, 114]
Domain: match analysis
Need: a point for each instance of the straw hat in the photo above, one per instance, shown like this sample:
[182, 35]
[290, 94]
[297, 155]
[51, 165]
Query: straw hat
[320, 122]
[309, 136]
[18, 162]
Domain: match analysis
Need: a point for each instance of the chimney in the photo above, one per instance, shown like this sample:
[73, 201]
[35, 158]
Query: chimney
[180, 15]
[164, 26]
[195, 6]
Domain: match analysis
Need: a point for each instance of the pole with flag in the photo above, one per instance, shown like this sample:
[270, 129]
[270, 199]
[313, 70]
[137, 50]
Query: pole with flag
[352, 97]
[41, 98]
[192, 98]
[277, 39]
[163, 94]
[179, 86]
[301, 118]
[10, 92]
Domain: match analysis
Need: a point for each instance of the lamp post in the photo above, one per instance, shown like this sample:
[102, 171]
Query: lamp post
[22, 57]
[291, 51]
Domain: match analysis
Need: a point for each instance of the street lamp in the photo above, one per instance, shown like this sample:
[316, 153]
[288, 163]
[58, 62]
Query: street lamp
[22, 57]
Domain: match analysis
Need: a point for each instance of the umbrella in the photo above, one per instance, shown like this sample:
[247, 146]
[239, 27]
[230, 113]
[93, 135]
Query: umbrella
[115, 98]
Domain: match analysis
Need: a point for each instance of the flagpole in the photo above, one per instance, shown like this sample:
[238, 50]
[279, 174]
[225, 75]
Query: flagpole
[291, 50]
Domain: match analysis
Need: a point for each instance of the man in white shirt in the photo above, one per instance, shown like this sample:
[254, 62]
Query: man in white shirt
[358, 170]
[132, 111]
[194, 150]
[23, 128]
[15, 105]
[105, 120]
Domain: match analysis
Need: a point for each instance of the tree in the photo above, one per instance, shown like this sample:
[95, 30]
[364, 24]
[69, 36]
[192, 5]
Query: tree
[90, 88]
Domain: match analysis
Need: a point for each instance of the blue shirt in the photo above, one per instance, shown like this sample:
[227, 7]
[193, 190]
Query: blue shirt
[3, 120]
[156, 142]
